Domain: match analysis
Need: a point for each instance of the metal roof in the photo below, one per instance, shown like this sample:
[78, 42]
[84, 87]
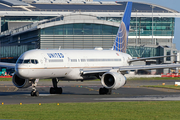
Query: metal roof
[4, 7]
[9, 8]
[14, 3]
[83, 7]
[77, 7]
[119, 6]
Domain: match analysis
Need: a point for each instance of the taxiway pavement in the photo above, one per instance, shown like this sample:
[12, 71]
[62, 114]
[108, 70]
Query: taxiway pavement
[87, 91]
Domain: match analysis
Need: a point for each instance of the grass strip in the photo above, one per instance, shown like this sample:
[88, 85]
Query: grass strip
[163, 110]
[163, 86]
[5, 79]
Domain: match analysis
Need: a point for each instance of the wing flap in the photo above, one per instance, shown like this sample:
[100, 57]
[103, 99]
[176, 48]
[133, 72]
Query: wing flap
[95, 71]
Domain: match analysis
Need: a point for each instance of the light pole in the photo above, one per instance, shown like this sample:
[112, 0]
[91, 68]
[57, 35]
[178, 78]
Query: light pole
[136, 27]
[152, 23]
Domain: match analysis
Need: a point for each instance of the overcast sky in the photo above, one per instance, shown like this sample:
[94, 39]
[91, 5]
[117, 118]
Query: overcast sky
[172, 4]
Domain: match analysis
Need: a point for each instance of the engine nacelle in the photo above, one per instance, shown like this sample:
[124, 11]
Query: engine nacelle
[113, 80]
[20, 83]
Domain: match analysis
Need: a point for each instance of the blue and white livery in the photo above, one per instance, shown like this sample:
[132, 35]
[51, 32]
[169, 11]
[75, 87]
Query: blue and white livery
[55, 55]
[120, 43]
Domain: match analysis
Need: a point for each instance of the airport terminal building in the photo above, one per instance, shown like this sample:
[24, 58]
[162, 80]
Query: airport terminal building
[75, 24]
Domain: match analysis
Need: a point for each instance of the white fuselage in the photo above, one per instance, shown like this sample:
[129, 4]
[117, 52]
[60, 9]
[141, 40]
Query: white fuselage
[66, 63]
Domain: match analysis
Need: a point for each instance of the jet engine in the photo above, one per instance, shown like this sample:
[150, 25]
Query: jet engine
[21, 83]
[113, 80]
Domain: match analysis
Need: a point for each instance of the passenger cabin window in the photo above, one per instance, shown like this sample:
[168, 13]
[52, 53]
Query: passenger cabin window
[83, 60]
[27, 61]
[56, 60]
[103, 60]
[73, 60]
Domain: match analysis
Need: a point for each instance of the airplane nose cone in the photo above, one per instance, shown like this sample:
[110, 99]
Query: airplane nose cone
[22, 71]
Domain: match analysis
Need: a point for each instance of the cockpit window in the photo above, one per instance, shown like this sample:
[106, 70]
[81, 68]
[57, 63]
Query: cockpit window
[20, 61]
[34, 61]
[27, 61]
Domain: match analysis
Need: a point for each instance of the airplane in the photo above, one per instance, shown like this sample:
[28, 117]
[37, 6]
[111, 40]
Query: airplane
[72, 65]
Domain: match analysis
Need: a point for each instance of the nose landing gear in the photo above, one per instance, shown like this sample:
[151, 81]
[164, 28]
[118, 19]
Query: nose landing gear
[34, 92]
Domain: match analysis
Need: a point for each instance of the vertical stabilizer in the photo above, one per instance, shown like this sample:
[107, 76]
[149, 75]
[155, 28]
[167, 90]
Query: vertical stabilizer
[120, 43]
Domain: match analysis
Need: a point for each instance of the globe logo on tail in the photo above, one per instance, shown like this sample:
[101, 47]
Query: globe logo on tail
[120, 43]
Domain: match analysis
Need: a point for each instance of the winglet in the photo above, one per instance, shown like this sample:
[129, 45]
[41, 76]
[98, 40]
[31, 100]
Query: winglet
[120, 43]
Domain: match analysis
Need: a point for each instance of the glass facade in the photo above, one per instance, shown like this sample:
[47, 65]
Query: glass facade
[14, 46]
[14, 51]
[80, 36]
[80, 29]
[142, 26]
[142, 51]
[160, 26]
[168, 52]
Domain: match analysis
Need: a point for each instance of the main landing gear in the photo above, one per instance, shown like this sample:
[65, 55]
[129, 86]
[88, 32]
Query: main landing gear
[105, 91]
[55, 89]
[34, 92]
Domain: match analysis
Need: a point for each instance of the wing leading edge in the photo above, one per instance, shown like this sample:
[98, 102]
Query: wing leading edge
[128, 68]
[148, 67]
[147, 58]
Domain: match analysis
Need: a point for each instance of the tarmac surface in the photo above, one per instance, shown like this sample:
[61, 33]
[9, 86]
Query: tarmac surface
[88, 91]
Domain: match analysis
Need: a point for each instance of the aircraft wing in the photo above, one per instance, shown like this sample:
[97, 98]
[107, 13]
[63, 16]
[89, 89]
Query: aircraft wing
[95, 71]
[146, 58]
[128, 68]
[8, 65]
[148, 67]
